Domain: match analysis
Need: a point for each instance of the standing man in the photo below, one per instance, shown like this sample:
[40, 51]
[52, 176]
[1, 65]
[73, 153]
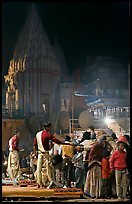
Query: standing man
[13, 168]
[93, 134]
[41, 143]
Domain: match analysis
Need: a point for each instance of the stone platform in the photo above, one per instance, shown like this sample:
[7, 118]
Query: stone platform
[34, 192]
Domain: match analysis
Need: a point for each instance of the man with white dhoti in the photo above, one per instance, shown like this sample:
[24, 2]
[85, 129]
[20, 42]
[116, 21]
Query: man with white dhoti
[41, 143]
[13, 168]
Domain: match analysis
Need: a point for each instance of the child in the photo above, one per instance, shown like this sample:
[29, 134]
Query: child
[118, 163]
[106, 188]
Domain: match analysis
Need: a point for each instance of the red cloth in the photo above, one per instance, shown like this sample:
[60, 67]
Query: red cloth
[14, 143]
[106, 173]
[46, 137]
[118, 160]
[96, 152]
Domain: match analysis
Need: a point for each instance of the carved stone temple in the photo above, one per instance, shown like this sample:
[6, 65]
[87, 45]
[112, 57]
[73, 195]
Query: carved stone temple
[34, 74]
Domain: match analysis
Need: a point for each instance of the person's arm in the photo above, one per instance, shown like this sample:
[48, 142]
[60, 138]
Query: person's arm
[112, 159]
[54, 139]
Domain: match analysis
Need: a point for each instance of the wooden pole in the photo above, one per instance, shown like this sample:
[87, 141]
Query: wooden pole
[16, 98]
[72, 113]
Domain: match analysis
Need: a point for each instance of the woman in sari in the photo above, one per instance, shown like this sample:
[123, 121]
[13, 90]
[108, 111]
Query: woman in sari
[93, 181]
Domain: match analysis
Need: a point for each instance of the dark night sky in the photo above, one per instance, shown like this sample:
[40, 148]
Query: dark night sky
[82, 28]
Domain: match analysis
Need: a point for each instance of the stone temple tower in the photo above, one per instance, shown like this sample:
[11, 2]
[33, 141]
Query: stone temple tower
[33, 79]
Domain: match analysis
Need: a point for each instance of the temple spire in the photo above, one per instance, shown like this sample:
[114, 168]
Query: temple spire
[35, 66]
[60, 56]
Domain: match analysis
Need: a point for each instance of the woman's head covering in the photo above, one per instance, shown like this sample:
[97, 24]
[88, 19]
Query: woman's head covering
[101, 132]
[102, 139]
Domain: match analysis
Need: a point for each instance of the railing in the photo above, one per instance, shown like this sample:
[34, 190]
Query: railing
[18, 114]
[119, 114]
[14, 114]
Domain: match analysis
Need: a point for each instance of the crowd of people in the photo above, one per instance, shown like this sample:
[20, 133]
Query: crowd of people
[99, 163]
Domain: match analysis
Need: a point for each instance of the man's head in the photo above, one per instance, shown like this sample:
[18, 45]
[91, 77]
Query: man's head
[79, 148]
[91, 128]
[67, 138]
[47, 126]
[86, 136]
[17, 132]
